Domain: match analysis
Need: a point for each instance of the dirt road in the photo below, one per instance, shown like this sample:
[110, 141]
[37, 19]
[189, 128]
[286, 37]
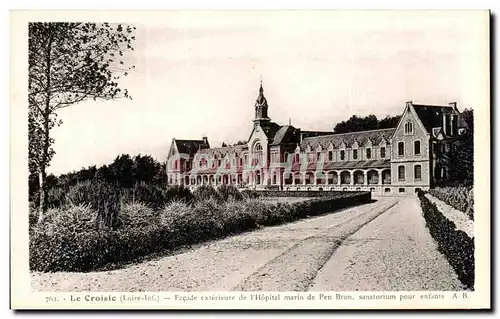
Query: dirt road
[378, 246]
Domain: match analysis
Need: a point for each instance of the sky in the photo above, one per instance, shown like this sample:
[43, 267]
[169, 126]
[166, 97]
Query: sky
[197, 74]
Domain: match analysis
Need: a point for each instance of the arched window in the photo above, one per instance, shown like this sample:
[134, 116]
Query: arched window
[258, 153]
[408, 127]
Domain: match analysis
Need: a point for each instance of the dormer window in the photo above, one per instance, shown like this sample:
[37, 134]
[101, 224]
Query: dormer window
[408, 128]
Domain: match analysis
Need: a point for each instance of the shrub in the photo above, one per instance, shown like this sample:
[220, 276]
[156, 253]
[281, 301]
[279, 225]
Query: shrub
[461, 198]
[100, 196]
[249, 194]
[149, 195]
[69, 240]
[237, 217]
[229, 192]
[454, 244]
[205, 192]
[137, 215]
[73, 219]
[178, 192]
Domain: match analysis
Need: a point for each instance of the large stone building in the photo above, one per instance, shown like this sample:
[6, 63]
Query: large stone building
[398, 160]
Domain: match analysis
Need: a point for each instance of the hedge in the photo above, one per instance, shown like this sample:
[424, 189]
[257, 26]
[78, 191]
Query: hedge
[177, 225]
[461, 198]
[455, 245]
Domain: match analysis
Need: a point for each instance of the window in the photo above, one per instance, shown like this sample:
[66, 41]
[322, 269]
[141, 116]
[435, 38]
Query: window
[355, 154]
[241, 161]
[330, 156]
[416, 147]
[408, 128]
[297, 158]
[418, 172]
[401, 173]
[401, 148]
[368, 153]
[382, 152]
[342, 155]
[387, 190]
[318, 156]
[402, 190]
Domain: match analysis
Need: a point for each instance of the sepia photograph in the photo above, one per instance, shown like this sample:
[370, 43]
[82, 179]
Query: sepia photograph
[254, 159]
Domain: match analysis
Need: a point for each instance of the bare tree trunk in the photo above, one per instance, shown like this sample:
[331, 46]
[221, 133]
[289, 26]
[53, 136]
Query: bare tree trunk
[46, 138]
[42, 175]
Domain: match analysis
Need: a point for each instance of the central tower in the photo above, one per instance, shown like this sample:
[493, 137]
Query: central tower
[261, 108]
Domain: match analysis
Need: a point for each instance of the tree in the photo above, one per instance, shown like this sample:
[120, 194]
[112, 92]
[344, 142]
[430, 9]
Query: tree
[356, 123]
[389, 122]
[69, 63]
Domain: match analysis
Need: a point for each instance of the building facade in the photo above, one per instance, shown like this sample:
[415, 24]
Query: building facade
[399, 160]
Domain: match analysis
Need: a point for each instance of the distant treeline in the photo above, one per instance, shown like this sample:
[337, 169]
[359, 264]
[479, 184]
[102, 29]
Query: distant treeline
[126, 171]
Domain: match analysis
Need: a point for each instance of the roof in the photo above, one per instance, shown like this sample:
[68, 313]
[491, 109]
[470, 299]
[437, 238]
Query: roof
[286, 134]
[431, 116]
[270, 129]
[375, 136]
[224, 150]
[189, 146]
[339, 165]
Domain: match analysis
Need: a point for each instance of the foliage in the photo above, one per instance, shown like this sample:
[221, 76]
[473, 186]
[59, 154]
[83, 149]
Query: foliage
[137, 215]
[356, 123]
[55, 245]
[229, 192]
[100, 196]
[461, 198]
[370, 122]
[67, 64]
[455, 245]
[204, 192]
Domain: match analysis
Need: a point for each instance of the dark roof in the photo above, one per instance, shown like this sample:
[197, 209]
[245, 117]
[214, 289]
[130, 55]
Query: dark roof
[189, 146]
[224, 150]
[339, 165]
[270, 129]
[286, 134]
[432, 115]
[376, 136]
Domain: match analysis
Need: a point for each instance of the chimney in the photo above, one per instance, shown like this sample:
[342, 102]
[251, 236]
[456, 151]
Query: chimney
[409, 103]
[205, 140]
[444, 123]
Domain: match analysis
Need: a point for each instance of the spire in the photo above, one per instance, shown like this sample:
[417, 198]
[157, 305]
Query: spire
[261, 105]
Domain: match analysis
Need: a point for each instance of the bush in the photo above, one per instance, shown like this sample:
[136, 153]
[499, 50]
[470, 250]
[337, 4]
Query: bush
[250, 194]
[461, 198]
[150, 195]
[205, 192]
[178, 192]
[137, 215]
[454, 244]
[229, 192]
[68, 240]
[100, 196]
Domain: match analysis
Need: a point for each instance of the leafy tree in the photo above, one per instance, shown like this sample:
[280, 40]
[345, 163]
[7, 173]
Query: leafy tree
[389, 122]
[356, 123]
[240, 143]
[69, 63]
[122, 170]
[468, 116]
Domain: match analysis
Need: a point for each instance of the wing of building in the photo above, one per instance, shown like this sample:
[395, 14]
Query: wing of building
[411, 156]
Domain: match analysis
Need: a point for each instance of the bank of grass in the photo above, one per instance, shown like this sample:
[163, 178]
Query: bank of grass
[455, 245]
[71, 238]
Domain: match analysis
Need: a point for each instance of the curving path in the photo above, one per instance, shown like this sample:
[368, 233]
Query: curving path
[378, 246]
